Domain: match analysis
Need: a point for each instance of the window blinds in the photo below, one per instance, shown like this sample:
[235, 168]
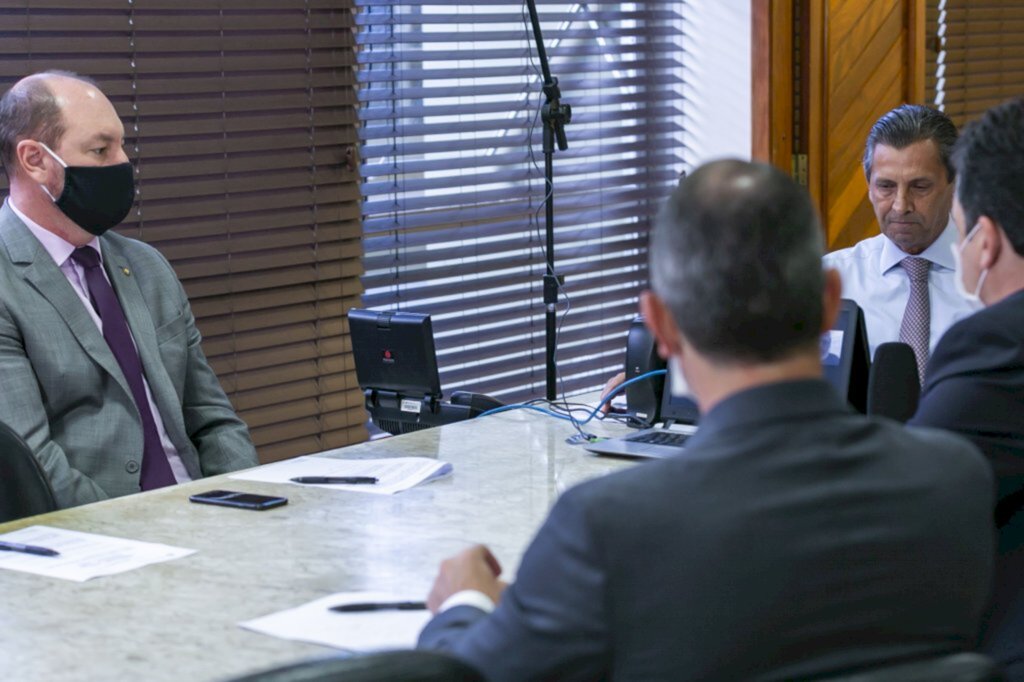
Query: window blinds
[239, 114]
[975, 55]
[453, 186]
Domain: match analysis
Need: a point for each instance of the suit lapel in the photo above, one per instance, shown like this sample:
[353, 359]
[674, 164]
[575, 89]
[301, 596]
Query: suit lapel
[44, 276]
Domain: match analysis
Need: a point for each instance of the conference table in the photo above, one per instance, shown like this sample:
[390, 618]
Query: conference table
[178, 620]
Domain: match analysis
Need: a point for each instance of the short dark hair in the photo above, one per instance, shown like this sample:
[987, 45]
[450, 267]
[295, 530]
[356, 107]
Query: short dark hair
[29, 109]
[910, 123]
[989, 160]
[736, 256]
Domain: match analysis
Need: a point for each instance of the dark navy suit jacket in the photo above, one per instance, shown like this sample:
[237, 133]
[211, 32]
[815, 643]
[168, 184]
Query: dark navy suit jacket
[792, 538]
[974, 386]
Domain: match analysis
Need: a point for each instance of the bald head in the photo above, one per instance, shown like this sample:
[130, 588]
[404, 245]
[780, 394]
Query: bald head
[33, 108]
[736, 257]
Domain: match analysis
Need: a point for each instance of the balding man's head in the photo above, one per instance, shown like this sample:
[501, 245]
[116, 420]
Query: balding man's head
[736, 257]
[32, 109]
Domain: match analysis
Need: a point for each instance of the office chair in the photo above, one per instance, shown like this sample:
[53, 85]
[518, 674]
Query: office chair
[24, 488]
[962, 667]
[387, 666]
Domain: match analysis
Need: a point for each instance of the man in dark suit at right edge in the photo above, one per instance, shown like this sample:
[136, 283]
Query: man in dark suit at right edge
[791, 539]
[974, 384]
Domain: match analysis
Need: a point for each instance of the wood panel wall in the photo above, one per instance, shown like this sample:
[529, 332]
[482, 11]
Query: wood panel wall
[848, 62]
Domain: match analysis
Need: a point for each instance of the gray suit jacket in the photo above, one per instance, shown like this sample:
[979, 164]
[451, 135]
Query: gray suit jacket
[63, 391]
[792, 539]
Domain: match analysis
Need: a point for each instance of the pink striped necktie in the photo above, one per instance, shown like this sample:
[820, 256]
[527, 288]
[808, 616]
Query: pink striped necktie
[915, 329]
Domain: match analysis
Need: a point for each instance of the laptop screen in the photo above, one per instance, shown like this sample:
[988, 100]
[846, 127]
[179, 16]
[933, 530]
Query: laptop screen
[844, 355]
[677, 409]
[844, 361]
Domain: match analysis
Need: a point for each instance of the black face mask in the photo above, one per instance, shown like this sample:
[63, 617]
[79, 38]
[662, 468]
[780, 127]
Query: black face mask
[96, 198]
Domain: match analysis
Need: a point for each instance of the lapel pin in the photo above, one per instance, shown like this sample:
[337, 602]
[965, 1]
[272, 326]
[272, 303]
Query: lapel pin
[126, 271]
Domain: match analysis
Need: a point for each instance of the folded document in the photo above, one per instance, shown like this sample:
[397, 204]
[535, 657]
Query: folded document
[82, 555]
[361, 631]
[393, 474]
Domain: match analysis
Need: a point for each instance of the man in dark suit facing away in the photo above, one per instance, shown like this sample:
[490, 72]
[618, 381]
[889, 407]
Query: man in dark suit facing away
[791, 539]
[974, 384]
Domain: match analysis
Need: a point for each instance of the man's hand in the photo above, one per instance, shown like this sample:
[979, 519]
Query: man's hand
[474, 569]
[612, 384]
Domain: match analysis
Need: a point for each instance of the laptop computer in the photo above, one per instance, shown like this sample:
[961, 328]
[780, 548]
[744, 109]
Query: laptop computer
[844, 359]
[679, 416]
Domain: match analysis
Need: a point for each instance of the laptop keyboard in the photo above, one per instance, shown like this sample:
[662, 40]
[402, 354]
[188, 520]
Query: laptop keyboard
[669, 438]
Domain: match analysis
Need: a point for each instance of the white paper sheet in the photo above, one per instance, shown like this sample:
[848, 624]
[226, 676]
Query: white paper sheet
[362, 631]
[83, 555]
[393, 474]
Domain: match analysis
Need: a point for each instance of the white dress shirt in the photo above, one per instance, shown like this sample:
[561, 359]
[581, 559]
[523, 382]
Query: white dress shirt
[61, 251]
[472, 598]
[872, 277]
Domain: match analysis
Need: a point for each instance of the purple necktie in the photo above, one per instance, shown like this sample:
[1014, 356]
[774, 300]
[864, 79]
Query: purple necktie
[156, 470]
[916, 326]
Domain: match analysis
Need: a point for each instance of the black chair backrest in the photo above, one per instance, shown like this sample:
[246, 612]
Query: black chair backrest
[963, 667]
[894, 387]
[24, 488]
[387, 666]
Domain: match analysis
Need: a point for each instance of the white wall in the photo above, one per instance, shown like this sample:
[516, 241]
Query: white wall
[716, 106]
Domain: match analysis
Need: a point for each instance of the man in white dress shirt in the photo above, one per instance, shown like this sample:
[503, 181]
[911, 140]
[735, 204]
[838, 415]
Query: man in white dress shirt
[910, 185]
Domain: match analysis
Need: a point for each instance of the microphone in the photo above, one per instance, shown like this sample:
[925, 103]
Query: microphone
[893, 383]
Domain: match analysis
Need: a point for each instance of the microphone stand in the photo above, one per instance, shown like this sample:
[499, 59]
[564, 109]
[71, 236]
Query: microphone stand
[554, 115]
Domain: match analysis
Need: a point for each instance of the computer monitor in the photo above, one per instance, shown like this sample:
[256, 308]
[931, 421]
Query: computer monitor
[396, 366]
[394, 350]
[845, 358]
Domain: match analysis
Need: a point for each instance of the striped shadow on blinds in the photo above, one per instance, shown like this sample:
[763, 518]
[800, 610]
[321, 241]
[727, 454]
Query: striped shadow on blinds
[238, 116]
[975, 55]
[453, 181]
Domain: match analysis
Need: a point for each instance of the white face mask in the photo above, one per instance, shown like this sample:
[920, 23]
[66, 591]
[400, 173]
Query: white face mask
[972, 298]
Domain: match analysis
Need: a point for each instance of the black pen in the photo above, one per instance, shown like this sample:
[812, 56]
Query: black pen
[380, 606]
[347, 480]
[28, 549]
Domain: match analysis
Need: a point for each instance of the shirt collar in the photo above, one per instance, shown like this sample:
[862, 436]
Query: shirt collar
[800, 400]
[58, 249]
[938, 252]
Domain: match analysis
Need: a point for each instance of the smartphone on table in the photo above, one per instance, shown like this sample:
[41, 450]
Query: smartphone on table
[230, 498]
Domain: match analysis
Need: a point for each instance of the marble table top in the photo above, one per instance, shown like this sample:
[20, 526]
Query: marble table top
[178, 620]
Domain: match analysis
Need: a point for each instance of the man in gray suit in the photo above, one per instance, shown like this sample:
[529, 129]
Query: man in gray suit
[791, 539]
[101, 367]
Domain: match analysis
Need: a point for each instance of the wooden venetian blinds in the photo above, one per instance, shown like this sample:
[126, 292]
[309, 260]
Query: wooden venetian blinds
[241, 122]
[975, 55]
